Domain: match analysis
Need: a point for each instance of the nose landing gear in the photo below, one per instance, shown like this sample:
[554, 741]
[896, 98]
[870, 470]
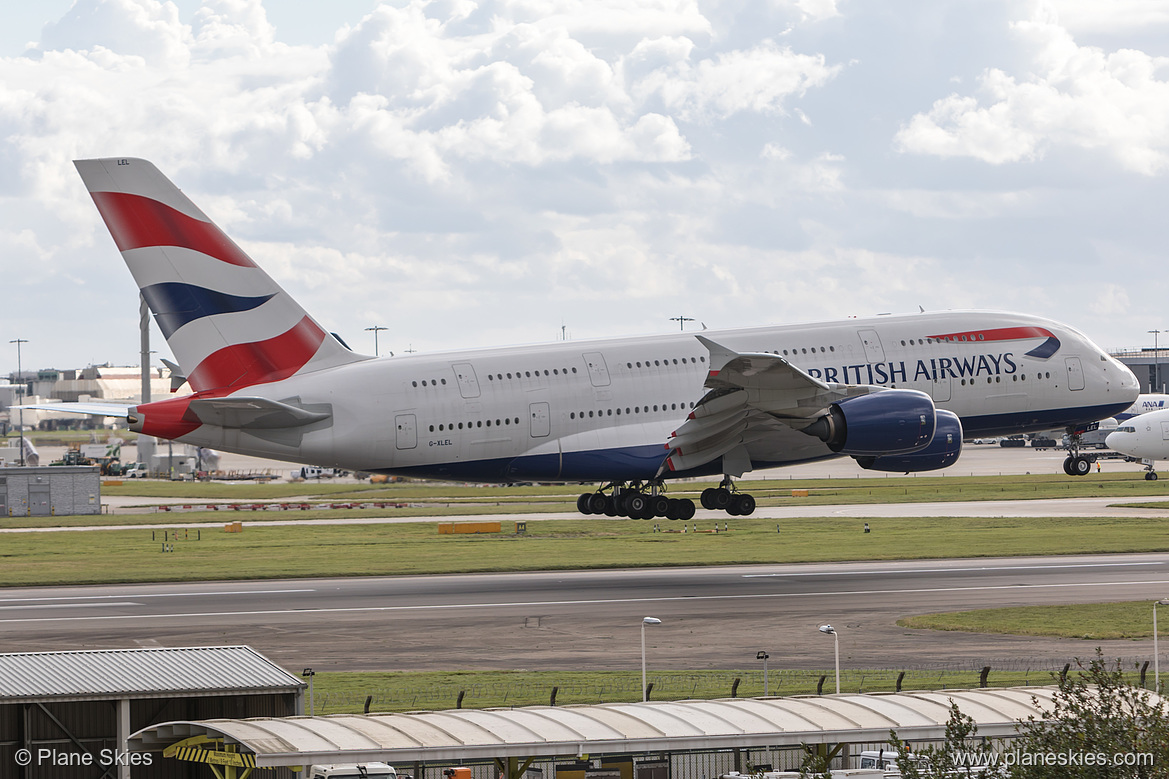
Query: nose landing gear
[1076, 464]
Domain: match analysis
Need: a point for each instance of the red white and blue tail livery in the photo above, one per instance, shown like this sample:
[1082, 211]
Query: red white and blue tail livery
[227, 322]
[895, 393]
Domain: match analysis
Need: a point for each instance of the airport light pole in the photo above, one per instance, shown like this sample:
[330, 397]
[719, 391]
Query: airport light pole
[761, 655]
[1156, 655]
[376, 329]
[1156, 362]
[830, 631]
[681, 320]
[645, 621]
[20, 393]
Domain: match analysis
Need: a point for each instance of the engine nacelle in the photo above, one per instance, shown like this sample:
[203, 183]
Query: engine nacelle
[891, 422]
[942, 452]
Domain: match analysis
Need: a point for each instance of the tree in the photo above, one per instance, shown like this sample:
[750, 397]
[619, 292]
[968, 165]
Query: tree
[954, 757]
[1100, 726]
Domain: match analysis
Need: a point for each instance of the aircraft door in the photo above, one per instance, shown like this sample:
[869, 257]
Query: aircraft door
[541, 418]
[406, 436]
[874, 352]
[1075, 373]
[468, 382]
[598, 371]
[1165, 431]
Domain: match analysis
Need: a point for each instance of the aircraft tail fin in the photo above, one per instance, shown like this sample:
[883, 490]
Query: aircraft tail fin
[227, 322]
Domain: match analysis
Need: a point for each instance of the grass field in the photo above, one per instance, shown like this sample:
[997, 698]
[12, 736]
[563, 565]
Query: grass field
[338, 693]
[261, 552]
[423, 499]
[885, 489]
[1095, 621]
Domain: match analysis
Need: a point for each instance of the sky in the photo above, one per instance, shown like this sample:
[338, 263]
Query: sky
[472, 174]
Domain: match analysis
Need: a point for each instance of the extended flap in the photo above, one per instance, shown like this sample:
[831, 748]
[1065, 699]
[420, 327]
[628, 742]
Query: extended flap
[253, 413]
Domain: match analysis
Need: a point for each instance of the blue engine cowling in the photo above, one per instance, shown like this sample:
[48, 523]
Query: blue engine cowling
[891, 422]
[942, 452]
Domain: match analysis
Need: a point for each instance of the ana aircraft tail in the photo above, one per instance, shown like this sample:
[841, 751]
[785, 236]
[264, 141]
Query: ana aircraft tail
[227, 322]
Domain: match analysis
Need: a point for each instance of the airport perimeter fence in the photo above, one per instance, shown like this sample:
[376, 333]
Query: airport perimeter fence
[617, 687]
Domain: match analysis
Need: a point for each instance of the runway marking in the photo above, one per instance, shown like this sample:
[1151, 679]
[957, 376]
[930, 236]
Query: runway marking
[525, 604]
[951, 570]
[67, 605]
[150, 595]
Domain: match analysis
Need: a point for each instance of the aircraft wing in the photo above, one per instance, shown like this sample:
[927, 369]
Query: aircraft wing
[756, 399]
[93, 409]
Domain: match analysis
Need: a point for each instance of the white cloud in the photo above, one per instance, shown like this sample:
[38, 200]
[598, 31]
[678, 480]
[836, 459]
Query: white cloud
[1111, 300]
[517, 164]
[1114, 16]
[756, 80]
[1077, 97]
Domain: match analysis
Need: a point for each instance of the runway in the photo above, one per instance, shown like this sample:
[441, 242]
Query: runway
[711, 617]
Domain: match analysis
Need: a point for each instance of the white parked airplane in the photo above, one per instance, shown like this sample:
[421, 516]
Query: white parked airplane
[1145, 403]
[1145, 438]
[894, 392]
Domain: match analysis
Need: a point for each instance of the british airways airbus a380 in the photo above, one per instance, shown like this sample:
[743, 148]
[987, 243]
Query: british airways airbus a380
[896, 393]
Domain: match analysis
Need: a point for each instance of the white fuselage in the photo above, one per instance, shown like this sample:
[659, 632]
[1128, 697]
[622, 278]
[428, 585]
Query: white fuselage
[603, 410]
[1145, 437]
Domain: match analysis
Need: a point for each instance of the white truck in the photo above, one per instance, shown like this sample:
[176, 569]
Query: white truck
[353, 771]
[313, 472]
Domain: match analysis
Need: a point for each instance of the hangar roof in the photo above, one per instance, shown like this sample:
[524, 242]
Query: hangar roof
[545, 731]
[140, 673]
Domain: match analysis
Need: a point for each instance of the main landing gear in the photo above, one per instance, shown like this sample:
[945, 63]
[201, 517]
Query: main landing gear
[648, 502]
[631, 500]
[726, 498]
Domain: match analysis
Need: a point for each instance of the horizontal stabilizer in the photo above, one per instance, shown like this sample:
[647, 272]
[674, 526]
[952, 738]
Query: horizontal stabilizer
[177, 379]
[252, 413]
[93, 409]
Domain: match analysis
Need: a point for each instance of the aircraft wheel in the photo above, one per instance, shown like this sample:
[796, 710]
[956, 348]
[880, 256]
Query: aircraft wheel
[610, 509]
[1067, 466]
[659, 505]
[1081, 466]
[721, 498]
[635, 505]
[1151, 476]
[583, 504]
[707, 498]
[672, 509]
[743, 504]
[685, 509]
[597, 503]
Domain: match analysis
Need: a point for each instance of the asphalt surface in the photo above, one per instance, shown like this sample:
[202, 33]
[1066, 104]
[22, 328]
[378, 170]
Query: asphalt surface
[711, 617]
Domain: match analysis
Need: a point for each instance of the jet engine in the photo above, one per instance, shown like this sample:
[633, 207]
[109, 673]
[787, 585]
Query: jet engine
[942, 452]
[895, 421]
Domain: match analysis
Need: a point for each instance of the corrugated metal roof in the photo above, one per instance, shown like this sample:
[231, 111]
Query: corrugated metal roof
[545, 731]
[149, 672]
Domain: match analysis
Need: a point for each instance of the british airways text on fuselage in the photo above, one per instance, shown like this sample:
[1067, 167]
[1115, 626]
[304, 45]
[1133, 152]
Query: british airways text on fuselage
[934, 369]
